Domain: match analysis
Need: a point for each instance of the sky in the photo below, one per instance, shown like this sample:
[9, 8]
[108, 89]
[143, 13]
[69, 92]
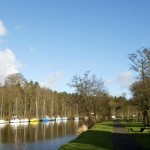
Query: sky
[50, 41]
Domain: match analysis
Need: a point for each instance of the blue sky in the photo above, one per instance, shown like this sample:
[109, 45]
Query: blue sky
[50, 41]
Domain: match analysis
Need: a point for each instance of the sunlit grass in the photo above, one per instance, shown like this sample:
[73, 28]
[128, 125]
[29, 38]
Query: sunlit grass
[104, 126]
[99, 137]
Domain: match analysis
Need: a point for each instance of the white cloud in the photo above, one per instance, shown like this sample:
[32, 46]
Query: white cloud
[3, 30]
[125, 79]
[120, 84]
[8, 64]
[52, 80]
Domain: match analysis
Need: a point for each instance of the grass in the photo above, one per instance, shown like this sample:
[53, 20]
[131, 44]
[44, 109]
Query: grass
[99, 137]
[142, 138]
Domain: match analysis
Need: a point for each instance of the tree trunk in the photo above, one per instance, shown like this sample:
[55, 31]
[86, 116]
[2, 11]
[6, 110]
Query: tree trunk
[145, 117]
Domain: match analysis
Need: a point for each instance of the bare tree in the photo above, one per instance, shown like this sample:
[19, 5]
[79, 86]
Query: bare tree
[88, 88]
[14, 79]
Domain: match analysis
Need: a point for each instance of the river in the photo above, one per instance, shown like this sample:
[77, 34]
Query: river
[37, 135]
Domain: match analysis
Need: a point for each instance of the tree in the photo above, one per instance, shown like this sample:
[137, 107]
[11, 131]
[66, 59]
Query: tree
[89, 90]
[139, 97]
[141, 64]
[14, 79]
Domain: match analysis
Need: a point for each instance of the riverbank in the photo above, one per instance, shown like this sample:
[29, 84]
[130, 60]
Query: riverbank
[96, 138]
[111, 135]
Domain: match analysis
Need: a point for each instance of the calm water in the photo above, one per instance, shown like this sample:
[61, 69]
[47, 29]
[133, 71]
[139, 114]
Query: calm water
[37, 136]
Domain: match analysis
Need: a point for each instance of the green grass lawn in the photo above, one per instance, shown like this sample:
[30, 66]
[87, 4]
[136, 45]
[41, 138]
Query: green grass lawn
[99, 137]
[142, 138]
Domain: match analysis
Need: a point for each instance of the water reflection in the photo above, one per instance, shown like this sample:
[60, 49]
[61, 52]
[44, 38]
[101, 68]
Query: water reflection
[37, 135]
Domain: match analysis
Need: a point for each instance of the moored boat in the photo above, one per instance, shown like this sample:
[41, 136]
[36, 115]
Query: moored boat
[53, 118]
[65, 118]
[46, 118]
[24, 120]
[14, 120]
[76, 118]
[2, 121]
[34, 120]
[3, 125]
[58, 118]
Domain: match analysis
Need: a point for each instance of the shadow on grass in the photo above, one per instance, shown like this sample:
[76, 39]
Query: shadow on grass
[123, 141]
[91, 140]
[143, 139]
[135, 139]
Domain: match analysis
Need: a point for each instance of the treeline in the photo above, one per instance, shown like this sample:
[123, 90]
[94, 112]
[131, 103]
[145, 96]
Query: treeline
[27, 98]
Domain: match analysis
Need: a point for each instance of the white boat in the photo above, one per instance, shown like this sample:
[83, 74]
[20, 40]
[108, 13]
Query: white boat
[22, 124]
[76, 118]
[2, 121]
[53, 118]
[3, 125]
[64, 118]
[24, 120]
[14, 120]
[52, 113]
[58, 118]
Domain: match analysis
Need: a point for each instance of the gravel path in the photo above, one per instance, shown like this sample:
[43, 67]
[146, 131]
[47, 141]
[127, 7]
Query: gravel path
[122, 140]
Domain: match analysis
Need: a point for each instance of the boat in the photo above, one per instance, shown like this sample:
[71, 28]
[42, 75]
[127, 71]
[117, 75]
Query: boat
[24, 119]
[52, 113]
[35, 119]
[3, 125]
[2, 121]
[58, 118]
[64, 118]
[53, 118]
[34, 123]
[23, 123]
[76, 118]
[14, 120]
[46, 118]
